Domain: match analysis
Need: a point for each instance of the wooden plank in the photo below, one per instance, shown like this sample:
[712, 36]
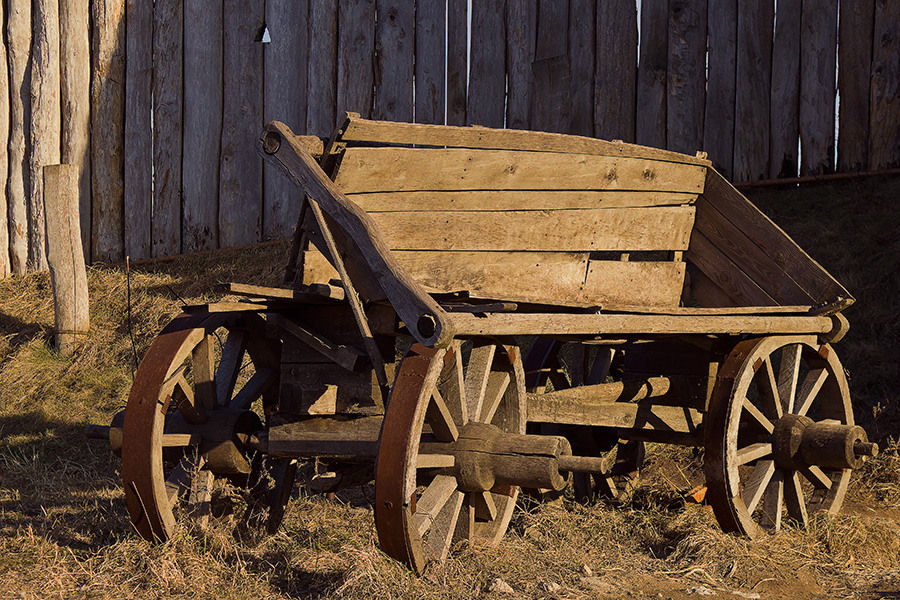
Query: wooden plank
[752, 90]
[707, 292]
[857, 21]
[5, 267]
[75, 84]
[356, 50]
[634, 283]
[649, 417]
[322, 78]
[497, 200]
[408, 169]
[18, 39]
[521, 32]
[719, 267]
[624, 229]
[395, 40]
[203, 98]
[430, 60]
[138, 172]
[784, 127]
[457, 61]
[718, 126]
[552, 70]
[582, 53]
[361, 130]
[347, 357]
[487, 74]
[285, 99]
[240, 175]
[107, 130]
[168, 80]
[615, 76]
[818, 56]
[884, 143]
[650, 129]
[686, 85]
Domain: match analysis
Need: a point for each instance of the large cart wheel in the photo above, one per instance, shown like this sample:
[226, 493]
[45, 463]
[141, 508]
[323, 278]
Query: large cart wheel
[205, 383]
[779, 434]
[424, 501]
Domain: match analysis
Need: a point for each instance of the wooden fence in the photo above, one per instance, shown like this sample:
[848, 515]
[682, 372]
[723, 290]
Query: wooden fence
[162, 102]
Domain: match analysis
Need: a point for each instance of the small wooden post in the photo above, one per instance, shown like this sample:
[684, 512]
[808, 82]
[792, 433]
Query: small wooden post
[65, 255]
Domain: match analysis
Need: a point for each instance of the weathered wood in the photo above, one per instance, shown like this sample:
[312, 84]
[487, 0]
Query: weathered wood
[614, 283]
[752, 90]
[107, 130]
[818, 56]
[552, 70]
[395, 40]
[354, 439]
[168, 59]
[726, 274]
[349, 358]
[431, 57]
[457, 61]
[607, 393]
[521, 32]
[487, 74]
[65, 256]
[45, 121]
[615, 77]
[501, 200]
[18, 39]
[256, 291]
[784, 115]
[884, 95]
[407, 169]
[240, 177]
[718, 125]
[686, 85]
[309, 388]
[75, 83]
[582, 54]
[5, 267]
[202, 125]
[650, 129]
[356, 45]
[705, 291]
[855, 45]
[322, 77]
[138, 151]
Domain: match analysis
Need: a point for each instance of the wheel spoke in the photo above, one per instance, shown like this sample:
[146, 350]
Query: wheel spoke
[430, 503]
[440, 534]
[230, 366]
[773, 500]
[793, 497]
[813, 382]
[768, 387]
[788, 372]
[179, 479]
[753, 452]
[498, 384]
[174, 440]
[253, 389]
[817, 477]
[759, 418]
[183, 397]
[203, 361]
[600, 368]
[452, 385]
[441, 420]
[477, 373]
[435, 461]
[757, 483]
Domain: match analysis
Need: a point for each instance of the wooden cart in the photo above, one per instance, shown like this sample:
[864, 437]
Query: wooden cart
[652, 302]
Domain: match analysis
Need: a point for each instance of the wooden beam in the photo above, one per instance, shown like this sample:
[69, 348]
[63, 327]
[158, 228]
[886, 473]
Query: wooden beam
[18, 40]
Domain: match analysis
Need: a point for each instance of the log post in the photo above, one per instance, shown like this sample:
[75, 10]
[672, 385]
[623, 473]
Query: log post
[4, 158]
[65, 255]
[18, 39]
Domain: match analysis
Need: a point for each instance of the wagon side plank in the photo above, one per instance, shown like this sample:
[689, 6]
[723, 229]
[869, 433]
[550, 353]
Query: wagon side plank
[725, 273]
[497, 200]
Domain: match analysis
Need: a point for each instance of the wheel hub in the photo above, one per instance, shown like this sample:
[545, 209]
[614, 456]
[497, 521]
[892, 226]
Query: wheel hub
[799, 442]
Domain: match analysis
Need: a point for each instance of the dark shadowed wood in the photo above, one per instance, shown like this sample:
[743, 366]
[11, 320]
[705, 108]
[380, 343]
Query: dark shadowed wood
[582, 53]
[615, 82]
[552, 69]
[785, 110]
[884, 95]
[18, 40]
[818, 54]
[4, 157]
[202, 125]
[752, 92]
[322, 78]
[855, 70]
[650, 128]
[706, 291]
[718, 124]
[521, 23]
[430, 61]
[457, 61]
[240, 177]
[356, 46]
[487, 76]
[138, 176]
[686, 87]
[395, 40]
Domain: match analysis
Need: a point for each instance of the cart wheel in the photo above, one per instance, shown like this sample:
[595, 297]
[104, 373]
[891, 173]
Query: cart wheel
[188, 416]
[419, 510]
[780, 435]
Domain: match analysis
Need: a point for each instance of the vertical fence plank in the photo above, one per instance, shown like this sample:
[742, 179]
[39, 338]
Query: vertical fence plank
[240, 177]
[552, 69]
[75, 81]
[45, 120]
[202, 125]
[857, 19]
[752, 88]
[785, 110]
[718, 125]
[18, 38]
[650, 128]
[107, 129]
[686, 81]
[457, 61]
[285, 100]
[615, 82]
[521, 22]
[395, 41]
[168, 60]
[356, 43]
[430, 61]
[322, 79]
[487, 76]
[4, 155]
[818, 56]
[582, 53]
[138, 151]
[884, 145]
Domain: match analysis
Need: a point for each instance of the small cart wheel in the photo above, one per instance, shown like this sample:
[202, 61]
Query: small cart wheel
[779, 435]
[188, 416]
[420, 508]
